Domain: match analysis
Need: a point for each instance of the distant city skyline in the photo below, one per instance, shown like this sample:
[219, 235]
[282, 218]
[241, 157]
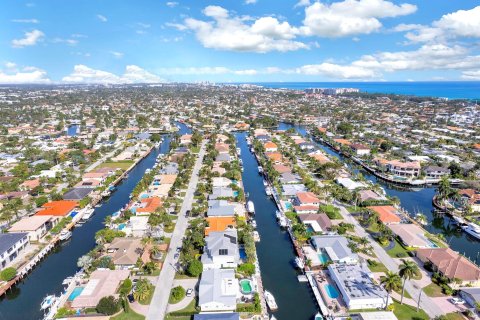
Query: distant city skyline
[238, 41]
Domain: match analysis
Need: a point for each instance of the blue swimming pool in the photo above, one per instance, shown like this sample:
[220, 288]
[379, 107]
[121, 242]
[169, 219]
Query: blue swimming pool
[331, 291]
[243, 254]
[235, 193]
[144, 196]
[121, 226]
[323, 257]
[288, 205]
[75, 293]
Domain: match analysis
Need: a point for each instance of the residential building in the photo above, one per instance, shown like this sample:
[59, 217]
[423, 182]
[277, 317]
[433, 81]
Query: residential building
[386, 214]
[36, 226]
[318, 222]
[11, 245]
[218, 290]
[335, 247]
[221, 250]
[124, 252]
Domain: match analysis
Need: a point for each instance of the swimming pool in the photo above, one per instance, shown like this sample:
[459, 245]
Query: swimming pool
[323, 257]
[246, 286]
[75, 293]
[243, 254]
[144, 196]
[121, 226]
[288, 205]
[331, 291]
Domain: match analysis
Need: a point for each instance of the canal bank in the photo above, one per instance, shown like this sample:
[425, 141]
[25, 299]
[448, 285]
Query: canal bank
[418, 200]
[275, 250]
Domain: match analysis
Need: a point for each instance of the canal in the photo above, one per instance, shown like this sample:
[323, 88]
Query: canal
[275, 250]
[415, 201]
[23, 302]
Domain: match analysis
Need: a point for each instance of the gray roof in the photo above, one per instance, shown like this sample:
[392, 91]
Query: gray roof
[170, 168]
[334, 246]
[473, 292]
[215, 286]
[7, 240]
[223, 157]
[221, 240]
[289, 177]
[220, 208]
[221, 192]
[217, 316]
[77, 193]
[292, 189]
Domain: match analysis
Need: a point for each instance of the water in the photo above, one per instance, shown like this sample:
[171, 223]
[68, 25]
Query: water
[415, 201]
[72, 130]
[275, 251]
[442, 89]
[23, 302]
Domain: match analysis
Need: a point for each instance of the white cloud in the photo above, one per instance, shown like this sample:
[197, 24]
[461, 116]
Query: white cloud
[471, 75]
[70, 42]
[247, 72]
[250, 1]
[172, 4]
[336, 71]
[117, 54]
[26, 21]
[226, 32]
[102, 18]
[302, 3]
[407, 27]
[133, 74]
[31, 38]
[25, 76]
[209, 71]
[350, 17]
[177, 26]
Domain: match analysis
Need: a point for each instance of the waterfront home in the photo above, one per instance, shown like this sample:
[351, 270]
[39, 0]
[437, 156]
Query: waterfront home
[147, 206]
[217, 168]
[343, 142]
[470, 295]
[274, 157]
[218, 208]
[165, 179]
[221, 182]
[335, 247]
[360, 149]
[318, 222]
[124, 252]
[290, 190]
[470, 197]
[320, 157]
[222, 147]
[29, 185]
[138, 226]
[436, 172]
[77, 194]
[221, 138]
[349, 183]
[221, 250]
[404, 169]
[218, 290]
[270, 146]
[386, 214]
[451, 264]
[60, 208]
[36, 226]
[370, 195]
[357, 287]
[169, 168]
[306, 146]
[11, 245]
[306, 202]
[411, 235]
[289, 177]
[186, 139]
[102, 283]
[221, 193]
[219, 224]
[217, 316]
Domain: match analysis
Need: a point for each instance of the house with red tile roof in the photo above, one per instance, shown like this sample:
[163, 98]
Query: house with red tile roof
[57, 208]
[270, 147]
[386, 214]
[275, 157]
[148, 205]
[306, 202]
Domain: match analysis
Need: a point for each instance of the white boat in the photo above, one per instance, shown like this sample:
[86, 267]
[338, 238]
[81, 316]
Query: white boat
[472, 229]
[252, 150]
[106, 193]
[67, 280]
[240, 161]
[239, 151]
[265, 183]
[47, 302]
[459, 220]
[318, 316]
[272, 317]
[256, 236]
[254, 224]
[282, 221]
[87, 213]
[65, 235]
[268, 191]
[299, 263]
[278, 214]
[148, 170]
[260, 169]
[250, 206]
[271, 303]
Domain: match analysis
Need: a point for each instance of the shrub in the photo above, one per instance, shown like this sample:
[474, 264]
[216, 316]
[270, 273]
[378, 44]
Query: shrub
[126, 287]
[246, 268]
[8, 274]
[195, 268]
[177, 294]
[108, 306]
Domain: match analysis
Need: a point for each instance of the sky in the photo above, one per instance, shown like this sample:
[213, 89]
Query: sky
[151, 41]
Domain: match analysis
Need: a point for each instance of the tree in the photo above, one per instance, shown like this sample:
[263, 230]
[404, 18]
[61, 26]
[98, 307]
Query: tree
[40, 201]
[85, 262]
[108, 306]
[8, 274]
[177, 294]
[143, 290]
[391, 282]
[195, 268]
[126, 287]
[408, 269]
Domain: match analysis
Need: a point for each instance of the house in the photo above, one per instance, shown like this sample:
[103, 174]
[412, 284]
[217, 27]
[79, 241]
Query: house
[148, 205]
[306, 202]
[221, 192]
[411, 235]
[370, 195]
[186, 139]
[124, 252]
[280, 168]
[59, 208]
[335, 247]
[102, 283]
[435, 172]
[77, 194]
[360, 149]
[470, 197]
[223, 157]
[289, 177]
[219, 224]
[349, 183]
[11, 245]
[217, 316]
[36, 226]
[221, 182]
[28, 185]
[320, 157]
[451, 264]
[217, 208]
[218, 290]
[221, 250]
[275, 157]
[290, 190]
[318, 222]
[139, 226]
[355, 284]
[404, 169]
[470, 295]
[270, 147]
[386, 214]
[222, 147]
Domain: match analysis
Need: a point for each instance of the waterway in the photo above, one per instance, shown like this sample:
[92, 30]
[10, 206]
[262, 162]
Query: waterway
[275, 250]
[414, 201]
[23, 302]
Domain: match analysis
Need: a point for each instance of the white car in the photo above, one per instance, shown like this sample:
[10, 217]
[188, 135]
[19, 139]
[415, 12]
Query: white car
[189, 292]
[457, 301]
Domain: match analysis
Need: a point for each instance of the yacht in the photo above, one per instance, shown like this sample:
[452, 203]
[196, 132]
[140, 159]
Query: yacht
[282, 221]
[256, 236]
[67, 280]
[271, 303]
[268, 191]
[47, 302]
[472, 229]
[260, 169]
[251, 207]
[318, 316]
[299, 263]
[87, 213]
[65, 235]
[106, 193]
[239, 151]
[254, 224]
[265, 183]
[278, 214]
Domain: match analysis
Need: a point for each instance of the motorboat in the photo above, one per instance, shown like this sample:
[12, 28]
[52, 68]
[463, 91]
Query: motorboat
[270, 299]
[250, 207]
[472, 229]
[256, 236]
[260, 169]
[239, 151]
[47, 302]
[318, 316]
[278, 214]
[272, 317]
[65, 235]
[282, 221]
[87, 213]
[240, 161]
[67, 281]
[254, 224]
[268, 191]
[265, 183]
[106, 193]
[299, 263]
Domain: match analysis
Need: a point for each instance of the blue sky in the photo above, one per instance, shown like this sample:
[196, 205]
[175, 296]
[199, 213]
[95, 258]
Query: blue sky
[106, 41]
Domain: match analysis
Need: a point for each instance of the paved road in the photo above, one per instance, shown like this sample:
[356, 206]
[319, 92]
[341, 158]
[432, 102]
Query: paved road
[426, 303]
[158, 306]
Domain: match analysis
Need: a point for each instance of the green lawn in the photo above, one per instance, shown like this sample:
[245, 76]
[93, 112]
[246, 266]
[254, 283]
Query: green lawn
[398, 250]
[377, 267]
[128, 316]
[191, 308]
[433, 290]
[454, 316]
[406, 312]
[149, 298]
[124, 165]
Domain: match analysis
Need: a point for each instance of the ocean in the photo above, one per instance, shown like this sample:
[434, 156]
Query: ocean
[440, 89]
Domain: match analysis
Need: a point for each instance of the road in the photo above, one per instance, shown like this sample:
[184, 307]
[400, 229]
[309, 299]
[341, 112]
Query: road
[427, 304]
[158, 306]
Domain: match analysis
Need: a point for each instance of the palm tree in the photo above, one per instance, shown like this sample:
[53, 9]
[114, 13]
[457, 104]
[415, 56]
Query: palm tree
[408, 269]
[143, 290]
[391, 282]
[444, 188]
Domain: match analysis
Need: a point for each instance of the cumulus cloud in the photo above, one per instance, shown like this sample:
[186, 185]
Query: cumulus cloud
[102, 18]
[25, 21]
[336, 71]
[30, 39]
[133, 74]
[302, 3]
[250, 1]
[471, 75]
[172, 4]
[350, 17]
[226, 32]
[27, 75]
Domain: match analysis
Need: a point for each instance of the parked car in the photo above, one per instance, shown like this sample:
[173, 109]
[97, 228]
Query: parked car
[457, 301]
[130, 298]
[176, 255]
[187, 213]
[189, 292]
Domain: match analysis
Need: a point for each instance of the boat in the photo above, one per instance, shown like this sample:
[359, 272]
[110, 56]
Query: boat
[318, 316]
[47, 302]
[299, 263]
[254, 224]
[250, 206]
[282, 221]
[88, 212]
[148, 170]
[65, 235]
[239, 151]
[472, 229]
[256, 236]
[240, 161]
[421, 218]
[272, 317]
[67, 281]
[252, 150]
[106, 193]
[271, 303]
[268, 191]
[260, 169]
[265, 183]
[459, 220]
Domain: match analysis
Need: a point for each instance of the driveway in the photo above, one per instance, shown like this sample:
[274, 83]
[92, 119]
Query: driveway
[158, 307]
[186, 284]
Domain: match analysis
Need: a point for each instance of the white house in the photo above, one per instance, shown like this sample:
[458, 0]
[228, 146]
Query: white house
[11, 244]
[221, 250]
[35, 226]
[335, 247]
[218, 290]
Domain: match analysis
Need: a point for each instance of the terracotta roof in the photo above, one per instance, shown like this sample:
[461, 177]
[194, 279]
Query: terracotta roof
[320, 157]
[280, 168]
[219, 224]
[150, 204]
[270, 145]
[274, 156]
[386, 214]
[450, 263]
[307, 197]
[30, 184]
[57, 208]
[343, 141]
